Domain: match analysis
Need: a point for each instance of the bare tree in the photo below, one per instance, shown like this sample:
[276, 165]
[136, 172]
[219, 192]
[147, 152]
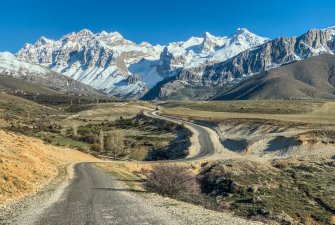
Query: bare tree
[101, 140]
[109, 145]
[74, 130]
[114, 143]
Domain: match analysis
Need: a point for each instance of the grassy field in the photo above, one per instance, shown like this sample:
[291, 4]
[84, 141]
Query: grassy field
[252, 106]
[309, 111]
[109, 111]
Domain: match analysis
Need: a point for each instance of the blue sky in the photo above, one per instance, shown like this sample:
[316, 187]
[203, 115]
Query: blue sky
[159, 21]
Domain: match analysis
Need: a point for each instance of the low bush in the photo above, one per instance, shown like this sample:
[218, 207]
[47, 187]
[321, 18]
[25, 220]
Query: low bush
[96, 147]
[173, 181]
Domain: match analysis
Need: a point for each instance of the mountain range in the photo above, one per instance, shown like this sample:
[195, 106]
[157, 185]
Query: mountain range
[199, 68]
[110, 63]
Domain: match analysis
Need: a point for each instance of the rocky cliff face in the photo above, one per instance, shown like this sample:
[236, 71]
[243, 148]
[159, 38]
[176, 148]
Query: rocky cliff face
[99, 60]
[198, 52]
[110, 63]
[255, 60]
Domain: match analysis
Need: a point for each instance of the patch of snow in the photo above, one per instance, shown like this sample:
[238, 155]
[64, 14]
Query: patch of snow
[10, 64]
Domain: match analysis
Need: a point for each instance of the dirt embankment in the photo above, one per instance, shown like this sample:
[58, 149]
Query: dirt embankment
[27, 165]
[275, 139]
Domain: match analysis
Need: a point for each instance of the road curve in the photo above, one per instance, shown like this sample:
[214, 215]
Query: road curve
[94, 197]
[206, 145]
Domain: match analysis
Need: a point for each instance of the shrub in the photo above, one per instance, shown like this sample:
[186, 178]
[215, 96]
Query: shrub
[47, 139]
[88, 137]
[173, 181]
[139, 153]
[96, 147]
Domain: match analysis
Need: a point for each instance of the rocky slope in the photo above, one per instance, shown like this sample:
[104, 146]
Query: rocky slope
[310, 78]
[253, 61]
[200, 51]
[99, 60]
[10, 66]
[109, 62]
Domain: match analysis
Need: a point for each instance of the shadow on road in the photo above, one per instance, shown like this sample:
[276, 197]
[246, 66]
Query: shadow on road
[119, 189]
[129, 180]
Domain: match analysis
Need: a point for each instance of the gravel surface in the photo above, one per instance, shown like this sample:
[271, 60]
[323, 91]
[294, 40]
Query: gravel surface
[92, 196]
[36, 203]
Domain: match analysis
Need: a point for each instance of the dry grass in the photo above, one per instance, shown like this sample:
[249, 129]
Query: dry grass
[325, 114]
[112, 111]
[17, 110]
[27, 165]
[252, 106]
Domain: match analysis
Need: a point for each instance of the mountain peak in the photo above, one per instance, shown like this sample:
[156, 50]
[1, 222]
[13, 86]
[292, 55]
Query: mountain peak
[242, 31]
[103, 33]
[243, 35]
[208, 35]
[116, 34]
[85, 32]
[111, 35]
[42, 41]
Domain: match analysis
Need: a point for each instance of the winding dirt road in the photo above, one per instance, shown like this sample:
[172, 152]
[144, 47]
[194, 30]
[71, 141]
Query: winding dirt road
[94, 197]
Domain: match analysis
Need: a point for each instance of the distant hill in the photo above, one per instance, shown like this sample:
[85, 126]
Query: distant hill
[45, 95]
[35, 78]
[13, 84]
[310, 78]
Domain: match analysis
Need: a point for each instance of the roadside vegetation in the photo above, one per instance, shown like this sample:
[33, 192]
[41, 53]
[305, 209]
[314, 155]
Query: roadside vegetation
[287, 192]
[173, 181]
[138, 138]
[111, 130]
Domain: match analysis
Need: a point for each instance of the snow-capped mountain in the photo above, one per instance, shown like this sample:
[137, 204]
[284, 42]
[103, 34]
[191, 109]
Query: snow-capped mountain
[109, 62]
[11, 66]
[269, 55]
[100, 60]
[209, 49]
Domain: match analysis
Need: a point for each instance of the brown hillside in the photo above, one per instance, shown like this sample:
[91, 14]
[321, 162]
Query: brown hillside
[311, 78]
[27, 165]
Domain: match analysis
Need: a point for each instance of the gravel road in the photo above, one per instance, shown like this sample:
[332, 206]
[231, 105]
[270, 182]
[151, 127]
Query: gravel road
[94, 197]
[204, 142]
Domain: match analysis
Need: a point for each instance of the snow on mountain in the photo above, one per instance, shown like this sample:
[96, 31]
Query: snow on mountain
[208, 49]
[242, 40]
[109, 62]
[331, 30]
[100, 60]
[9, 65]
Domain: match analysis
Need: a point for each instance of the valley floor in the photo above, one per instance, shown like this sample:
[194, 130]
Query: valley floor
[249, 158]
